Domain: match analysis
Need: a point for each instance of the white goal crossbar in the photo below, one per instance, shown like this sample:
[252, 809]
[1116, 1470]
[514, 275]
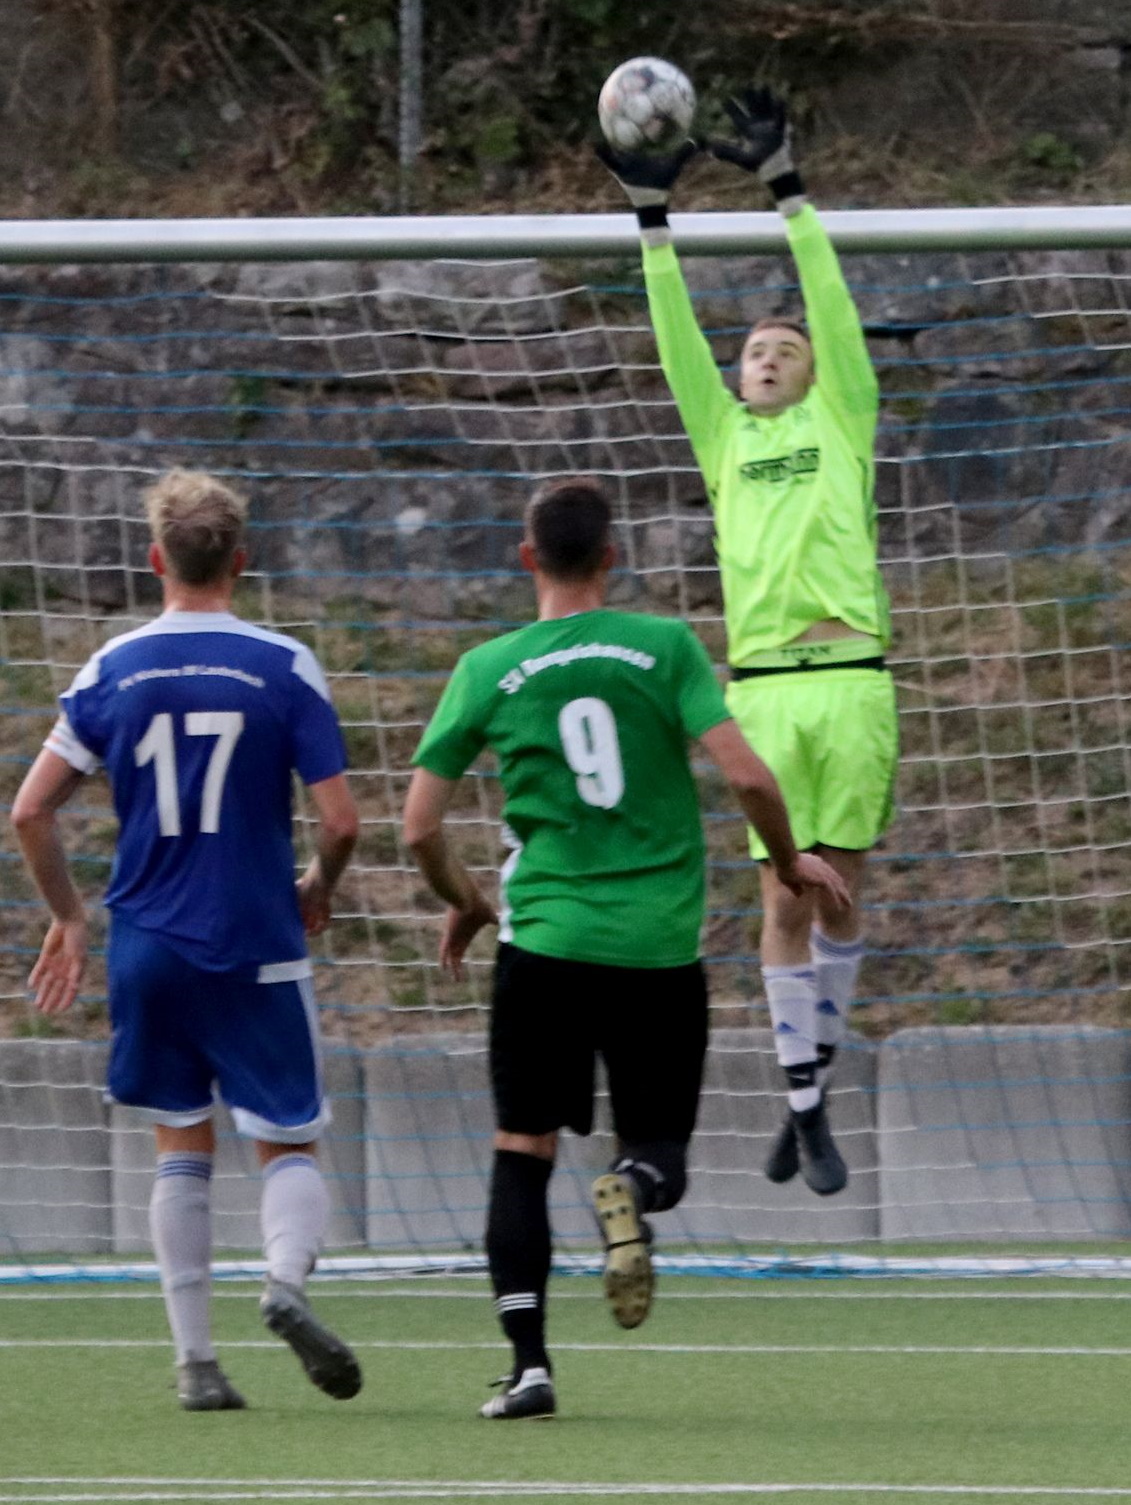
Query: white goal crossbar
[486, 237]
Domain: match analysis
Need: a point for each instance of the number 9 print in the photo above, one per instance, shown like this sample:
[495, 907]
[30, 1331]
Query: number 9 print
[588, 730]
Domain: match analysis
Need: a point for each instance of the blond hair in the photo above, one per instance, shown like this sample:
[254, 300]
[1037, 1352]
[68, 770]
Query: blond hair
[199, 523]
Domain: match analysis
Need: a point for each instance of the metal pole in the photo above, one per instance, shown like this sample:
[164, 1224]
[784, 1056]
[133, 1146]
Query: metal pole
[411, 95]
[505, 237]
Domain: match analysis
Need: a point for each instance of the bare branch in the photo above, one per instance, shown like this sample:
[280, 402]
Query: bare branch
[286, 52]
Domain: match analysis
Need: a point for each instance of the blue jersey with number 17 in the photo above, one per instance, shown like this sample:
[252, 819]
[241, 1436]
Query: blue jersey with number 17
[200, 719]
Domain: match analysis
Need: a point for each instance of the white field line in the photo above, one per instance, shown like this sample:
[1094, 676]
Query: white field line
[417, 1345]
[405, 1489]
[744, 1291]
[394, 1266]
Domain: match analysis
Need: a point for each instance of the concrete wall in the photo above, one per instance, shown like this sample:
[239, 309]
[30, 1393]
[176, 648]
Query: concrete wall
[729, 1200]
[428, 1147]
[963, 1133]
[54, 1148]
[1000, 1132]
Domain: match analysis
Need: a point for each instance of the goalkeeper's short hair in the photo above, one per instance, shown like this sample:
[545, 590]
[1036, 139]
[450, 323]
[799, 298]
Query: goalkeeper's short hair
[569, 524]
[783, 323]
[199, 523]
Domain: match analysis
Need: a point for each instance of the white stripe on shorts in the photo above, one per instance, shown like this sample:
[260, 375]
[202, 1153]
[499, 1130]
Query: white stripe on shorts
[294, 971]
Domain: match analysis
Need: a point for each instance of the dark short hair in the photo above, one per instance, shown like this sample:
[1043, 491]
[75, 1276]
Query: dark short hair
[569, 523]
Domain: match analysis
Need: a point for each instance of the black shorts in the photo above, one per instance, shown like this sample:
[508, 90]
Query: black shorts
[550, 1019]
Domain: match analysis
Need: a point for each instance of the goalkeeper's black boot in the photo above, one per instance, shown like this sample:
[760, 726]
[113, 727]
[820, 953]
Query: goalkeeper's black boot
[203, 1386]
[784, 1160]
[328, 1362]
[628, 1257]
[530, 1397]
[822, 1165]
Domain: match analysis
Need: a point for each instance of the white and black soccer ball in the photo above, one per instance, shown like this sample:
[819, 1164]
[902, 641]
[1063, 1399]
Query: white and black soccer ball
[645, 104]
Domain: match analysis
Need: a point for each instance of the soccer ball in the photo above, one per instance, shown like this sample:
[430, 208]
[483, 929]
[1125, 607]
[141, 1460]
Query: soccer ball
[645, 104]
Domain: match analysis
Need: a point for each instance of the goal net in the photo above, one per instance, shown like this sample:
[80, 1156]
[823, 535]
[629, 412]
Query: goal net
[388, 419]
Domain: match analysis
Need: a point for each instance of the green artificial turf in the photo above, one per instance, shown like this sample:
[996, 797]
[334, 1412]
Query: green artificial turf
[869, 1390]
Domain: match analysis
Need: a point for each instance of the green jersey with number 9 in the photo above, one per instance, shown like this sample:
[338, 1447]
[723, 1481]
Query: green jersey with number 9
[590, 717]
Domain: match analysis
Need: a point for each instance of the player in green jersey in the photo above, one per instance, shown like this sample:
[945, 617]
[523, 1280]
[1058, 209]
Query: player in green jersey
[789, 470]
[589, 713]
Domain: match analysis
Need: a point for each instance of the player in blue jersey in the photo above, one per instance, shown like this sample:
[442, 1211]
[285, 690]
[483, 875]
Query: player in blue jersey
[200, 721]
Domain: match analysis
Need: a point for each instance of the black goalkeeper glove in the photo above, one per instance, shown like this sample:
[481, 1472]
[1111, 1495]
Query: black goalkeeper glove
[647, 177]
[763, 146]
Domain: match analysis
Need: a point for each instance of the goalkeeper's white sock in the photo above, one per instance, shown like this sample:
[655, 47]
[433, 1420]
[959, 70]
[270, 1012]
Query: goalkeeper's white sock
[294, 1213]
[791, 993]
[837, 965]
[180, 1222]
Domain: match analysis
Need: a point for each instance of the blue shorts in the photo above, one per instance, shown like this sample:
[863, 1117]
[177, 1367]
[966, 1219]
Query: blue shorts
[180, 1032]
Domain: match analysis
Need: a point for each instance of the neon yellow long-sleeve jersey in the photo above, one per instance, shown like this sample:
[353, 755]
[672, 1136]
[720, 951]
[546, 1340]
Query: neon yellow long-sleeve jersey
[792, 495]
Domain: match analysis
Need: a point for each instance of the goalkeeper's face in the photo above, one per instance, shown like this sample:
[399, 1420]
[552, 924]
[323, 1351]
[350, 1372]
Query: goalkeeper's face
[777, 369]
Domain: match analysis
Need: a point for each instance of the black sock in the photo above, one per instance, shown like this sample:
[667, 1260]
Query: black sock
[644, 1186]
[804, 1074]
[518, 1253]
[657, 1170]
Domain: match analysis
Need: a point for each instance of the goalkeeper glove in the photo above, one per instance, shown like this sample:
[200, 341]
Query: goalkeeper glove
[647, 178]
[763, 145]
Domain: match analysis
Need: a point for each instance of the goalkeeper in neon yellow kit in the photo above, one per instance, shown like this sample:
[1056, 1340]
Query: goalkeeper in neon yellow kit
[789, 471]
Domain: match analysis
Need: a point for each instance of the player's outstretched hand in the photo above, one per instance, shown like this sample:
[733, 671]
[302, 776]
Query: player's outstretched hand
[762, 127]
[646, 177]
[57, 975]
[460, 928]
[811, 871]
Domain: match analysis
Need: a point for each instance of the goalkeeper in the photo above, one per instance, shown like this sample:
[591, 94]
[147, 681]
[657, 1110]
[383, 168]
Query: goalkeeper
[789, 471]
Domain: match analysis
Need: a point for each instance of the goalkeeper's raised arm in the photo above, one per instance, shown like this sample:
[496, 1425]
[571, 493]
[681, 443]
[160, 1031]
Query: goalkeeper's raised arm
[789, 469]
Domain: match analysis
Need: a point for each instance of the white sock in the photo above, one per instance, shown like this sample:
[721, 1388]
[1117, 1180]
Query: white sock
[293, 1214]
[180, 1222]
[837, 965]
[791, 993]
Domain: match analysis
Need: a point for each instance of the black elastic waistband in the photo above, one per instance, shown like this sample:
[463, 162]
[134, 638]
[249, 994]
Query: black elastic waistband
[808, 665]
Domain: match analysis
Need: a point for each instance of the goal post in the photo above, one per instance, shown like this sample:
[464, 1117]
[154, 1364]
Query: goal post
[487, 237]
[388, 392]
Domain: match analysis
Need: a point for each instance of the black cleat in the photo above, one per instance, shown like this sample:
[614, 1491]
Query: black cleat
[203, 1386]
[628, 1259]
[784, 1160]
[329, 1363]
[531, 1396]
[822, 1165]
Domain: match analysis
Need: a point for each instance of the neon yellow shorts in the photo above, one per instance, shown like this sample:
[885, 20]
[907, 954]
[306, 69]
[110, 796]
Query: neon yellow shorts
[831, 738]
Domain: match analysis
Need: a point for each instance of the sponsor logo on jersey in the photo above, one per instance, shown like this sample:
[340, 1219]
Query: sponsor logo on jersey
[802, 462]
[187, 671]
[514, 679]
